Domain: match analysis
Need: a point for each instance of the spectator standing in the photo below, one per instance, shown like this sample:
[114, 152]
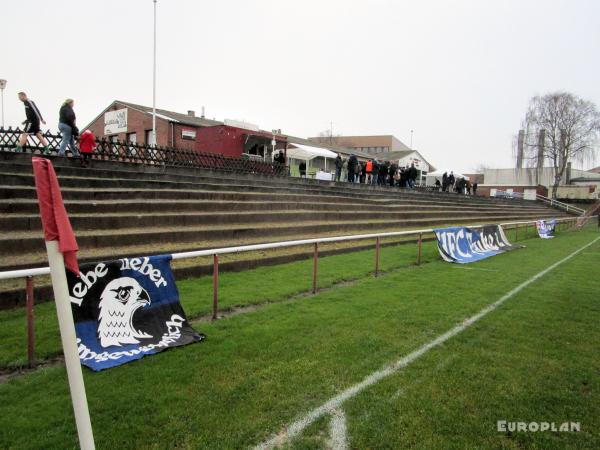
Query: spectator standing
[352, 162]
[383, 172]
[392, 173]
[363, 172]
[32, 124]
[412, 176]
[375, 173]
[67, 128]
[302, 169]
[87, 144]
[339, 164]
[444, 181]
[451, 180]
[474, 188]
[369, 171]
[357, 171]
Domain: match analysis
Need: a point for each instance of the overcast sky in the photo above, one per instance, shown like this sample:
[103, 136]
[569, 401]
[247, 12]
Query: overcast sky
[458, 73]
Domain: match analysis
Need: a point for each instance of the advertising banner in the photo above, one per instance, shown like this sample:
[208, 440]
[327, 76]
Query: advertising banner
[465, 245]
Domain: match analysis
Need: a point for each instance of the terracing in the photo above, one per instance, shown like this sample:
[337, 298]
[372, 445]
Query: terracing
[124, 209]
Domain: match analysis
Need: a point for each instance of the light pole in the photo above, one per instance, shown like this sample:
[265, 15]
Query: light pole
[154, 82]
[411, 139]
[2, 86]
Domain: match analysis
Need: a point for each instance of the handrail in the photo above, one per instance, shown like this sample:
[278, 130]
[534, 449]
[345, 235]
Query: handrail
[558, 204]
[9, 274]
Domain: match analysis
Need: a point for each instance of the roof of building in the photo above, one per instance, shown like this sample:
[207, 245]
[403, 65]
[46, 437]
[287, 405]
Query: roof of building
[595, 170]
[333, 148]
[173, 116]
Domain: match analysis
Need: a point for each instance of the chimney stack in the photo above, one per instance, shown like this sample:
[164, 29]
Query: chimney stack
[520, 141]
[202, 112]
[191, 113]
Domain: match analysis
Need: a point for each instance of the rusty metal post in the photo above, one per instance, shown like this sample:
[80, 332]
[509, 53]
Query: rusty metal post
[215, 286]
[377, 256]
[419, 248]
[315, 265]
[30, 319]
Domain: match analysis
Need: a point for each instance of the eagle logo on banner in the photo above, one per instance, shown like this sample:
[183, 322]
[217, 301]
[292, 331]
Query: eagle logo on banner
[127, 309]
[120, 299]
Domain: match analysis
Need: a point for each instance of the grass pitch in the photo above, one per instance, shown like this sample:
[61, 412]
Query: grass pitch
[536, 358]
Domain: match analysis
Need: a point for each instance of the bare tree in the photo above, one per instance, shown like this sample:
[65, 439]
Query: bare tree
[570, 128]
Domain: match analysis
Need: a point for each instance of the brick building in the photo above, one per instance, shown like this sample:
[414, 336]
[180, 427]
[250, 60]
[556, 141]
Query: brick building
[128, 122]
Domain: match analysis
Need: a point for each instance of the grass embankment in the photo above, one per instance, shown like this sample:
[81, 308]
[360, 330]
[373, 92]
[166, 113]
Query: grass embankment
[535, 358]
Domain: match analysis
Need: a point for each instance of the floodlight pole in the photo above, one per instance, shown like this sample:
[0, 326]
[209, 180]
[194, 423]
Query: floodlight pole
[154, 82]
[2, 86]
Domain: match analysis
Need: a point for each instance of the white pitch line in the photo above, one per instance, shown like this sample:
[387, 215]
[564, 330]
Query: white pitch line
[295, 428]
[338, 431]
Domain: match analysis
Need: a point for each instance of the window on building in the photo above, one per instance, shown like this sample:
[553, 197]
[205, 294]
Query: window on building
[149, 138]
[132, 137]
[113, 138]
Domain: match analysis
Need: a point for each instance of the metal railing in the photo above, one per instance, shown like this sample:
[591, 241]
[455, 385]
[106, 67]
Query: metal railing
[560, 205]
[549, 201]
[28, 274]
[108, 150]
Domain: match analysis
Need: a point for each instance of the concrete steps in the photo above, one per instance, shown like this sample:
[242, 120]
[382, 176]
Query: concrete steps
[125, 209]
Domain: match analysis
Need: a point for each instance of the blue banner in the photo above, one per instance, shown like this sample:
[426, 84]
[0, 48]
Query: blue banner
[127, 309]
[546, 229]
[465, 245]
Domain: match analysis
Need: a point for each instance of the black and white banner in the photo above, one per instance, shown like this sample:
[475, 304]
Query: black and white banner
[127, 309]
[465, 245]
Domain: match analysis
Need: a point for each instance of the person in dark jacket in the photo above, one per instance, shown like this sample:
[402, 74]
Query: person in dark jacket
[375, 172]
[363, 173]
[392, 173]
[67, 128]
[383, 172]
[302, 169]
[339, 163]
[444, 181]
[412, 176]
[451, 181]
[474, 188]
[32, 124]
[352, 162]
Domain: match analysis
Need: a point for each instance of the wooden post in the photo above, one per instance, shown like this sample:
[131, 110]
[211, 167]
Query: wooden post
[516, 232]
[215, 286]
[315, 265]
[419, 248]
[30, 321]
[526, 225]
[377, 256]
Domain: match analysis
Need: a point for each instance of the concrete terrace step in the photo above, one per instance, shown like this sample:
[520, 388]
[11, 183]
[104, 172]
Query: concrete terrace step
[12, 193]
[21, 163]
[17, 243]
[32, 222]
[30, 206]
[348, 191]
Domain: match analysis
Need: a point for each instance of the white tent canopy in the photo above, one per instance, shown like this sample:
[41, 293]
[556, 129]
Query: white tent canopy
[440, 173]
[308, 152]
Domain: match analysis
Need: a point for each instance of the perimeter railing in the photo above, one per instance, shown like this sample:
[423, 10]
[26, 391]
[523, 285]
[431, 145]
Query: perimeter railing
[109, 150]
[29, 274]
[548, 201]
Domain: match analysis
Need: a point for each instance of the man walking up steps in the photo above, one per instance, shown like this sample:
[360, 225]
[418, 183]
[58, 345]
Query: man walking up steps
[32, 124]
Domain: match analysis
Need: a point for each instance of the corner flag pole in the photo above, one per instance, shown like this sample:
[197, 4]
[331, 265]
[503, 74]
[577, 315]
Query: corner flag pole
[69, 344]
[61, 247]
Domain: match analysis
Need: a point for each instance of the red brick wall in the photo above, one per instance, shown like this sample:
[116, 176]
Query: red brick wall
[137, 122]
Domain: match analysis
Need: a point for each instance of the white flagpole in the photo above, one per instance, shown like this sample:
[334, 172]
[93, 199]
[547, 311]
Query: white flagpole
[69, 343]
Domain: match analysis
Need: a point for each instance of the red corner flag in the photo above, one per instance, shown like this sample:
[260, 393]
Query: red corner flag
[55, 220]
